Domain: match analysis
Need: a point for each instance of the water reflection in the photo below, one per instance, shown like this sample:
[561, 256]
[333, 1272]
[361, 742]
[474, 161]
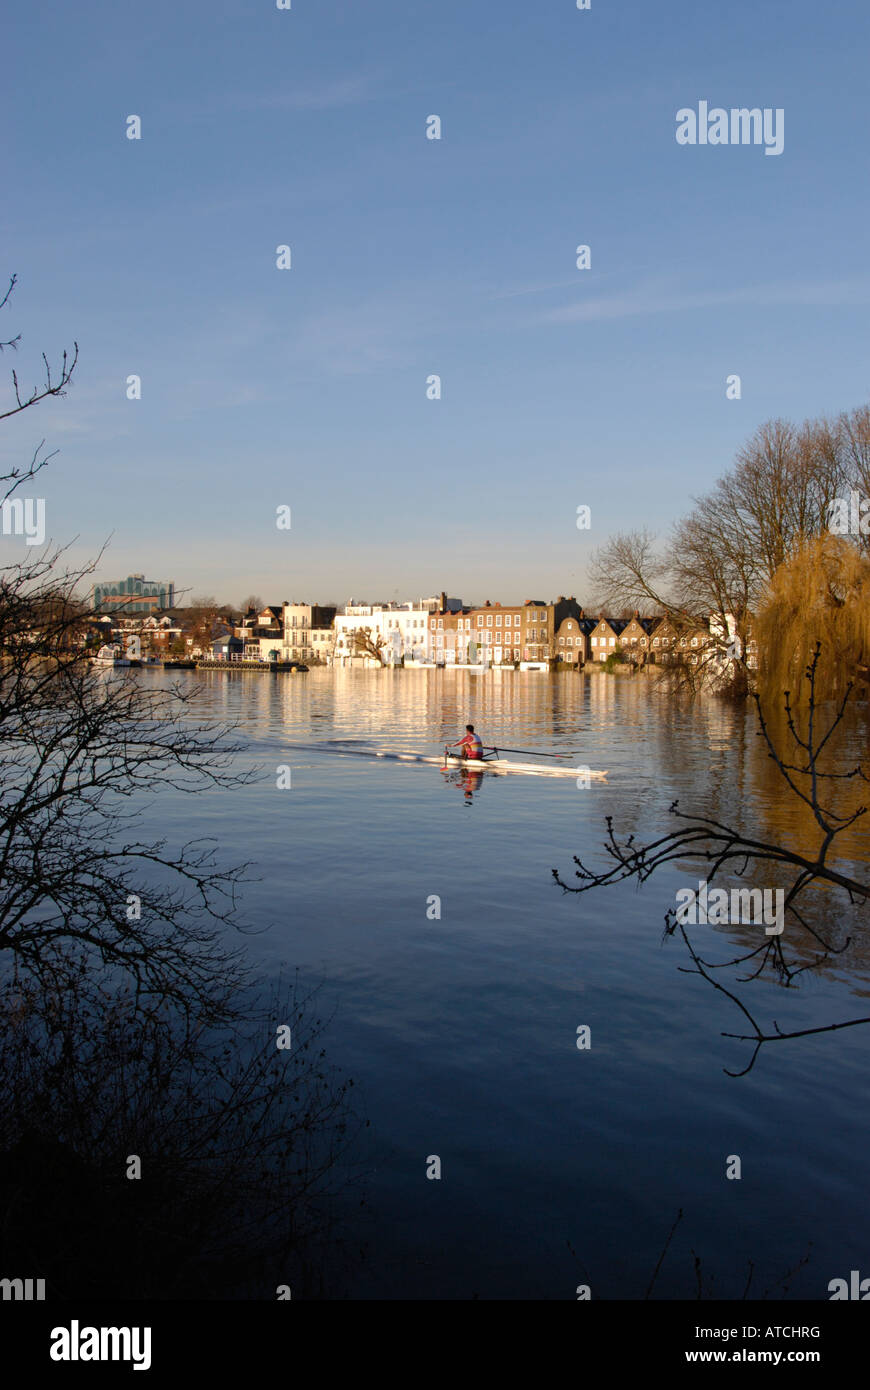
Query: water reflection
[467, 780]
[461, 1030]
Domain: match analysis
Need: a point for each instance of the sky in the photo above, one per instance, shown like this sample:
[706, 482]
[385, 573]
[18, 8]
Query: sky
[306, 387]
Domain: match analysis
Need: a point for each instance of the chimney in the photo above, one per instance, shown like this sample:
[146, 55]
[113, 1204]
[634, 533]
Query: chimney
[443, 601]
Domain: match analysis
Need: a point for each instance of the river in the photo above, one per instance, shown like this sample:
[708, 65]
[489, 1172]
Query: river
[456, 975]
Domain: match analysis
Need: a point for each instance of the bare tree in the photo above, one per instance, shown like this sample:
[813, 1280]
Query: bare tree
[720, 560]
[853, 445]
[128, 1023]
[718, 846]
[697, 581]
[373, 645]
[200, 618]
[51, 386]
[79, 888]
[79, 749]
[242, 1145]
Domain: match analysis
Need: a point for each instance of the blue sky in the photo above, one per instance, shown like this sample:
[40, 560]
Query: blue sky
[307, 387]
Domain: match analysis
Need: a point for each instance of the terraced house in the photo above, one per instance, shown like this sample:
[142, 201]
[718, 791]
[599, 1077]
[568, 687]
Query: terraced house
[541, 622]
[671, 641]
[493, 633]
[664, 642]
[573, 640]
[604, 638]
[634, 640]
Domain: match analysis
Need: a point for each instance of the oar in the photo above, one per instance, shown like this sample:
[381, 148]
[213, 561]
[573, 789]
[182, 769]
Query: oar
[532, 752]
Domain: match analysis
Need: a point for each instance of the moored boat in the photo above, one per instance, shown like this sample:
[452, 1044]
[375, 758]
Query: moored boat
[110, 656]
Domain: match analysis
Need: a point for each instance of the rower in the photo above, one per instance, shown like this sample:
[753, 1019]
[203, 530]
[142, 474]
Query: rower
[471, 745]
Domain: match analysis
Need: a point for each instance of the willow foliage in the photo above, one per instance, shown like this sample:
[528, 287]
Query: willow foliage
[821, 593]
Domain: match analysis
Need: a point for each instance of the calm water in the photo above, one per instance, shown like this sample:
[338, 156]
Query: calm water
[559, 1166]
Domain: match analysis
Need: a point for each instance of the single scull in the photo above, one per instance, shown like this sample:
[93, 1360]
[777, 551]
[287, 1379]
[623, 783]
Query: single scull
[499, 765]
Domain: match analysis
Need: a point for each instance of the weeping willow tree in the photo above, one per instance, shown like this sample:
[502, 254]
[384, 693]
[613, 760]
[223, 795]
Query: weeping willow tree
[821, 594]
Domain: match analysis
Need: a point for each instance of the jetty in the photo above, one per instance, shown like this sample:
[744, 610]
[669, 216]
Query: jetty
[232, 666]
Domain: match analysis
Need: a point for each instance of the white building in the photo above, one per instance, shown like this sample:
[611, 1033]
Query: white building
[399, 630]
[308, 632]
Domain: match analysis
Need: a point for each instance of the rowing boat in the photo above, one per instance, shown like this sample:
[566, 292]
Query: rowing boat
[531, 769]
[452, 761]
[498, 765]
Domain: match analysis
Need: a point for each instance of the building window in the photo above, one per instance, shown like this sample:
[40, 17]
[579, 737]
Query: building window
[498, 619]
[489, 620]
[480, 620]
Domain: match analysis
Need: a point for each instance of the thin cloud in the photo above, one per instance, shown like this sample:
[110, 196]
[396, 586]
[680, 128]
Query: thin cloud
[653, 298]
[533, 289]
[319, 96]
[328, 94]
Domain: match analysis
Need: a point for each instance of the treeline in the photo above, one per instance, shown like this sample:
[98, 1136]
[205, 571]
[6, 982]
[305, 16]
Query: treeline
[778, 550]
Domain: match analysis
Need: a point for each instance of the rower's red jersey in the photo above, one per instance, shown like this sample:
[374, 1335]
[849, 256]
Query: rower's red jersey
[472, 746]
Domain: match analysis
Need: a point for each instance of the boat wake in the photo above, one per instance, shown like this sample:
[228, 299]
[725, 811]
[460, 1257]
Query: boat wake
[352, 748]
